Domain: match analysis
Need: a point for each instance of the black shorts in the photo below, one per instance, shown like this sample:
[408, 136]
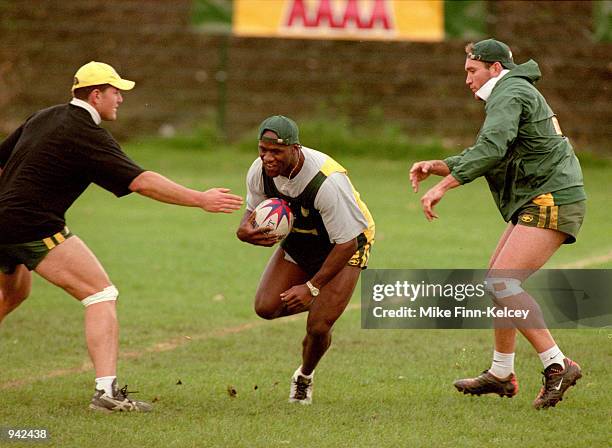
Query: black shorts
[312, 256]
[29, 254]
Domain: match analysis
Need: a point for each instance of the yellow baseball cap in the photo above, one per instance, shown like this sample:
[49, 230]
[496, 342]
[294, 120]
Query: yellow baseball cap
[96, 73]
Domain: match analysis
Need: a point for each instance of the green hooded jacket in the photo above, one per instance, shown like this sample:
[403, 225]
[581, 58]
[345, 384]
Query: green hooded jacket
[518, 149]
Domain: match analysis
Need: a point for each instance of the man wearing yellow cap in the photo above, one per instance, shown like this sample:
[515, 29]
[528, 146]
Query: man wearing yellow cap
[45, 165]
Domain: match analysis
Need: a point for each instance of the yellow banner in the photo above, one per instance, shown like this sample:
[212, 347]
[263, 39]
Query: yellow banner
[416, 20]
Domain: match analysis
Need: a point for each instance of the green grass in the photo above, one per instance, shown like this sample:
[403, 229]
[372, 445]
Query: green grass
[186, 288]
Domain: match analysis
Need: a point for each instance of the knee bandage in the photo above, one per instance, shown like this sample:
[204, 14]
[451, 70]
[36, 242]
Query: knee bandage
[107, 294]
[501, 287]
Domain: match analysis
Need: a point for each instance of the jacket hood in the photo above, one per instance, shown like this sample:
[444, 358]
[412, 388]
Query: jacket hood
[529, 71]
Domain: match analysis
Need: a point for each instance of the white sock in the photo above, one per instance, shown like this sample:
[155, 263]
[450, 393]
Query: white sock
[306, 376]
[105, 383]
[553, 355]
[503, 364]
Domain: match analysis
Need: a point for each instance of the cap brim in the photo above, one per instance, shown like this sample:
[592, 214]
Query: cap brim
[123, 84]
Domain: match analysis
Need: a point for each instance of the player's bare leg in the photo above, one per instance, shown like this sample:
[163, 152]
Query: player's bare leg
[14, 289]
[527, 249]
[501, 243]
[504, 330]
[524, 251]
[278, 277]
[505, 384]
[74, 268]
[505, 333]
[326, 309]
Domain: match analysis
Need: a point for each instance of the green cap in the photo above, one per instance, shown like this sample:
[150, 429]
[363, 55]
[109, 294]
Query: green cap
[491, 50]
[285, 128]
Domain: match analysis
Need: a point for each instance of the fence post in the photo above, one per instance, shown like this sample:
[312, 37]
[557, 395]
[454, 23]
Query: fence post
[221, 78]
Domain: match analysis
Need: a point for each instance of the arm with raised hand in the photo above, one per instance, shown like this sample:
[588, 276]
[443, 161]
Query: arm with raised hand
[421, 171]
[155, 186]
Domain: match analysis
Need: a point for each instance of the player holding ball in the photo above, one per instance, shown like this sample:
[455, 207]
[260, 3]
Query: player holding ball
[317, 265]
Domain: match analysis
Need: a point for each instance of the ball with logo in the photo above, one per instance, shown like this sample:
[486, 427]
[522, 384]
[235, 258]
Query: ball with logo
[276, 214]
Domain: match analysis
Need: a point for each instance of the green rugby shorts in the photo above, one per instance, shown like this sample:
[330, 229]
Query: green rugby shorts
[30, 254]
[566, 218]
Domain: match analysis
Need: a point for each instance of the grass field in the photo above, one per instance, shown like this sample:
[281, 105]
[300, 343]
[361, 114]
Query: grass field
[189, 332]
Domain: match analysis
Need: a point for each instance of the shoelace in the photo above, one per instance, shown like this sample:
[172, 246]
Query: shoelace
[301, 388]
[548, 379]
[124, 391]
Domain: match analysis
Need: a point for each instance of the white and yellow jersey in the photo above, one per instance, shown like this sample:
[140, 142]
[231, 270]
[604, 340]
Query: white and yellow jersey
[345, 216]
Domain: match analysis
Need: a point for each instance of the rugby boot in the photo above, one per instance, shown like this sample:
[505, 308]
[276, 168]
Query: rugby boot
[301, 388]
[487, 383]
[118, 402]
[557, 379]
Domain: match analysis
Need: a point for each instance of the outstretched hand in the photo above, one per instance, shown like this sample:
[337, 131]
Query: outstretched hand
[429, 200]
[220, 200]
[419, 172]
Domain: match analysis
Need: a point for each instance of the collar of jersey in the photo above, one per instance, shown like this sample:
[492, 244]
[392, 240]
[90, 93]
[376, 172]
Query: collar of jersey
[485, 91]
[95, 115]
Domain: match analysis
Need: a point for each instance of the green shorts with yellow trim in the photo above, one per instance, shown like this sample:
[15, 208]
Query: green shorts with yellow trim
[566, 218]
[30, 254]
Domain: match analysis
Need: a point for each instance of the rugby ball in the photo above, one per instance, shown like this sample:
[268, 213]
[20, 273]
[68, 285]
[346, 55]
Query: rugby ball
[274, 213]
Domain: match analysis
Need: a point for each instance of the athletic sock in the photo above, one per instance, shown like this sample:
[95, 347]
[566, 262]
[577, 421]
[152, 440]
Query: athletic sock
[553, 355]
[503, 364]
[306, 376]
[105, 383]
